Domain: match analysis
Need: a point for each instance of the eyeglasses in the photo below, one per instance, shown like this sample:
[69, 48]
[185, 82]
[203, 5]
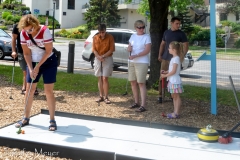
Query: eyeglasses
[102, 32]
[29, 30]
[143, 27]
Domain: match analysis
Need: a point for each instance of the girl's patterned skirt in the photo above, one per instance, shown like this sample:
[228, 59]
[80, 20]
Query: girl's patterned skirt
[175, 88]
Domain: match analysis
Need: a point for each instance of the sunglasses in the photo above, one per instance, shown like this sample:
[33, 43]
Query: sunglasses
[143, 27]
[29, 30]
[102, 32]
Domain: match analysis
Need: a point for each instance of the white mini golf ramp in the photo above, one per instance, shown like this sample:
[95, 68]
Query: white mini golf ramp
[97, 138]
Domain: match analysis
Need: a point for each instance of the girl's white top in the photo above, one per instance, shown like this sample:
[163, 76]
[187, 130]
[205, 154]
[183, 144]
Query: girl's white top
[175, 79]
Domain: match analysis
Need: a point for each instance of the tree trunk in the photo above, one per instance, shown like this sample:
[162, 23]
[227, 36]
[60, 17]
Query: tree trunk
[158, 24]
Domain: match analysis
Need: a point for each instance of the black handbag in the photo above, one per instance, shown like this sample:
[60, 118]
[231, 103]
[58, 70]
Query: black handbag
[54, 50]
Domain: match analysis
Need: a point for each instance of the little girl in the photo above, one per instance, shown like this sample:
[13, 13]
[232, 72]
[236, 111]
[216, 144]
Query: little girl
[173, 76]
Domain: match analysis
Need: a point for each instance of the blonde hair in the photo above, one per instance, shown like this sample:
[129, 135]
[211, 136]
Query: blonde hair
[179, 48]
[28, 20]
[138, 22]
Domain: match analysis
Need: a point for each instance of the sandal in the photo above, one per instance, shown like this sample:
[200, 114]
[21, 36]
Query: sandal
[23, 91]
[135, 105]
[100, 99]
[141, 109]
[53, 124]
[36, 92]
[170, 116]
[21, 124]
[107, 101]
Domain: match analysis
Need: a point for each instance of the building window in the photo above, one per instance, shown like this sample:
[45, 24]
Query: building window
[223, 16]
[237, 16]
[57, 4]
[71, 4]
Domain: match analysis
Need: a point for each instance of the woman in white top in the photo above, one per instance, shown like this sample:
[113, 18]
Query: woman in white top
[173, 75]
[41, 61]
[139, 48]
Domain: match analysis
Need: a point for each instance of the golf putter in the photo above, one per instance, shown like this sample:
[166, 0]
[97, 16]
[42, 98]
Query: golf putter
[12, 79]
[101, 81]
[127, 78]
[163, 90]
[26, 102]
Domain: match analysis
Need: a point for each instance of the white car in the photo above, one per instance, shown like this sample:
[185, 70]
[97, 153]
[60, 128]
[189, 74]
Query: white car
[121, 55]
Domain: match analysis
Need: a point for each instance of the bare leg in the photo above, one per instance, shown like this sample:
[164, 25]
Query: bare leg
[178, 104]
[134, 86]
[29, 101]
[100, 86]
[24, 85]
[143, 92]
[105, 86]
[51, 102]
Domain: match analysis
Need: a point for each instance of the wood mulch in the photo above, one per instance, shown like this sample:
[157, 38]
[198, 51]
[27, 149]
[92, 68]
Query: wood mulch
[194, 113]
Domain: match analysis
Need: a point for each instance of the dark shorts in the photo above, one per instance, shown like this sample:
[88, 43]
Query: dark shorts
[22, 61]
[48, 70]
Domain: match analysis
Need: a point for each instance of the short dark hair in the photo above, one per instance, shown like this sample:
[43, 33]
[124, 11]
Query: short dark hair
[175, 18]
[101, 27]
[25, 12]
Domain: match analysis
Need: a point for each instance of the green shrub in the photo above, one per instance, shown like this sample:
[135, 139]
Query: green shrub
[236, 28]
[23, 8]
[8, 23]
[9, 18]
[3, 27]
[226, 23]
[85, 35]
[4, 6]
[220, 42]
[5, 14]
[220, 31]
[237, 44]
[16, 19]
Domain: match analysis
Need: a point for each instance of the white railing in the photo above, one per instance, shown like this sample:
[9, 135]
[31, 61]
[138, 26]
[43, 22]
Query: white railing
[133, 1]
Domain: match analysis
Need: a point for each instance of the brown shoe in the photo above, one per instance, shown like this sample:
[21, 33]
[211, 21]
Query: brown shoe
[141, 109]
[100, 99]
[107, 101]
[135, 105]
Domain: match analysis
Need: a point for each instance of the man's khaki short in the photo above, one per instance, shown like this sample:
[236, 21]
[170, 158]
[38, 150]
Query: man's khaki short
[22, 62]
[164, 66]
[106, 69]
[137, 71]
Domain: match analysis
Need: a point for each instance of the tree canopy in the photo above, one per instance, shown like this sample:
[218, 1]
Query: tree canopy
[231, 6]
[175, 5]
[102, 11]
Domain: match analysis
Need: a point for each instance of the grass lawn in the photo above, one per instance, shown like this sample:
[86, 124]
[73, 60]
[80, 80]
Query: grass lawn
[231, 53]
[88, 84]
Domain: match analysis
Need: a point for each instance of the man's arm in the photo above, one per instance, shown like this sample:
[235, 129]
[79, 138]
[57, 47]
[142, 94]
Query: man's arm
[161, 50]
[185, 47]
[14, 52]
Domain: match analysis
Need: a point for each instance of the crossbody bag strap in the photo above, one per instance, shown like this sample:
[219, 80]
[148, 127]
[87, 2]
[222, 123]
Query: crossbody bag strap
[34, 42]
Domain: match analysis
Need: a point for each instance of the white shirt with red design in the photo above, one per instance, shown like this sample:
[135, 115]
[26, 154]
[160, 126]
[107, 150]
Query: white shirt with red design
[43, 36]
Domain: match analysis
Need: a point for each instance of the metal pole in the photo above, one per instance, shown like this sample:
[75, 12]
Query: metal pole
[53, 21]
[71, 54]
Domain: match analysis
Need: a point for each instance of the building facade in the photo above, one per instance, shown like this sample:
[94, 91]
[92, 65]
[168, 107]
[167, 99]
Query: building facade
[70, 13]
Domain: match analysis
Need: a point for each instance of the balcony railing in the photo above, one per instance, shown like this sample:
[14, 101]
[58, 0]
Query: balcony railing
[133, 1]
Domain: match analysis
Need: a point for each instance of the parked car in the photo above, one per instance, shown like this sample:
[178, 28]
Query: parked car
[120, 56]
[5, 44]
